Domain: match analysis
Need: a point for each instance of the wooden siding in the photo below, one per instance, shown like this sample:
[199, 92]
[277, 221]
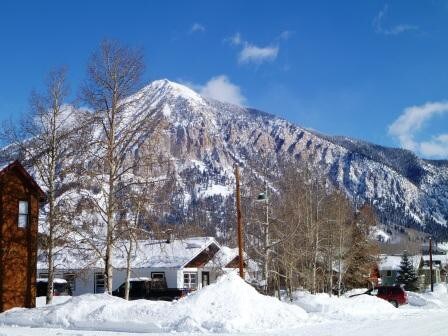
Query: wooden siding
[18, 246]
[202, 258]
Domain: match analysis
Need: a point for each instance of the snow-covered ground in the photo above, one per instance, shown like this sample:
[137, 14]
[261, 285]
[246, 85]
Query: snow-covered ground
[232, 307]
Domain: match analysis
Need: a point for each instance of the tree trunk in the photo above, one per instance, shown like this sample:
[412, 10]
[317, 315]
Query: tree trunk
[128, 271]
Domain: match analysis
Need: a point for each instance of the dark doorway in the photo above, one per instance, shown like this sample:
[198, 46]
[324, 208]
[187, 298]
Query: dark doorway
[205, 279]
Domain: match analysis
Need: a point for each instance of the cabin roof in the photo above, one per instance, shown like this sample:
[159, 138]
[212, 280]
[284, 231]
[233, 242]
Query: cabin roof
[17, 166]
[223, 257]
[443, 258]
[148, 254]
[392, 262]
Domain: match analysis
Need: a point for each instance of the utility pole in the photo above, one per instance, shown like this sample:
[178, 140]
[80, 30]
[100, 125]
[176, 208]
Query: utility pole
[239, 222]
[264, 197]
[430, 264]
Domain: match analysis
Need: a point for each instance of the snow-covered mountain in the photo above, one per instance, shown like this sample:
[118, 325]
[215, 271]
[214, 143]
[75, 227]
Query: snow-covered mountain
[207, 137]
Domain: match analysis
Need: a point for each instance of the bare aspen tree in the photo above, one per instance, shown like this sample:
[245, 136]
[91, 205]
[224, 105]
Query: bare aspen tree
[143, 193]
[45, 139]
[113, 76]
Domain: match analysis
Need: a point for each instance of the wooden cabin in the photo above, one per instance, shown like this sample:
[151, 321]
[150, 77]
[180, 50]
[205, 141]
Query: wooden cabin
[20, 197]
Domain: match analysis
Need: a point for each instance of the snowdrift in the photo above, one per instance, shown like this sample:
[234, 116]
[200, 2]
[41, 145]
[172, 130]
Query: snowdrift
[433, 300]
[40, 300]
[230, 305]
[360, 307]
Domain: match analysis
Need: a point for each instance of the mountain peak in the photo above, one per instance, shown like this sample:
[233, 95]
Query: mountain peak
[173, 89]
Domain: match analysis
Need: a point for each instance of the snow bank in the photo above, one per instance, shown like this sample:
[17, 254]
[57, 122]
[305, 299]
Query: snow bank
[230, 305]
[40, 300]
[436, 299]
[360, 307]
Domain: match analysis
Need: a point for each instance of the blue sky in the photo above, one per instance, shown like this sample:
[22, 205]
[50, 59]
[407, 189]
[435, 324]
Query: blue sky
[374, 70]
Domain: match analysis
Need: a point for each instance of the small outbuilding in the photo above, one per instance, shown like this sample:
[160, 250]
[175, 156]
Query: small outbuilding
[20, 197]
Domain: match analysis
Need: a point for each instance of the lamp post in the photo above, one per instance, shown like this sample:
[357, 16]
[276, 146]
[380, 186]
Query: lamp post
[263, 197]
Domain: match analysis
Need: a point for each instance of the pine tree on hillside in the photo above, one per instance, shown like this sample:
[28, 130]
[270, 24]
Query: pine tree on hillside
[406, 274]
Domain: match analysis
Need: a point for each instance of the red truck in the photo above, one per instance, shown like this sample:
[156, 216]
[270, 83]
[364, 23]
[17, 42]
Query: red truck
[396, 295]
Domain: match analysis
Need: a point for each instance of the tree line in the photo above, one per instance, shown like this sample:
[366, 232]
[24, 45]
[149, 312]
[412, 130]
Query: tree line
[309, 235]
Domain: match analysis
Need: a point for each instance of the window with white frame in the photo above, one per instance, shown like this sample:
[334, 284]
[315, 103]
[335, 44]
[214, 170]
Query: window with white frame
[22, 220]
[190, 280]
[99, 282]
[43, 275]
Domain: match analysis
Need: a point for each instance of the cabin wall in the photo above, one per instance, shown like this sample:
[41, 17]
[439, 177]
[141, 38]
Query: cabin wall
[18, 246]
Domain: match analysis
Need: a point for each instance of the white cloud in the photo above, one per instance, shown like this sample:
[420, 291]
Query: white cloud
[378, 24]
[197, 27]
[285, 35]
[235, 39]
[436, 147]
[220, 88]
[412, 120]
[253, 53]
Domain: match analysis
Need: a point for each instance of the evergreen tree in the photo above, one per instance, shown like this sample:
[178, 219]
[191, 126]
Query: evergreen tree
[406, 274]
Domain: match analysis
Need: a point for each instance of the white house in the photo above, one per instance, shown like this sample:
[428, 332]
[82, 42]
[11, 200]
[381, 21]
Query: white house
[184, 263]
[389, 266]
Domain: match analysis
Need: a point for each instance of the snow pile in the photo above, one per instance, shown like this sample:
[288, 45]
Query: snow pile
[230, 305]
[41, 300]
[436, 299]
[360, 307]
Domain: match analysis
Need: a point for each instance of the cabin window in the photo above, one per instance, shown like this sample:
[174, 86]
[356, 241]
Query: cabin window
[190, 280]
[23, 214]
[157, 275]
[99, 283]
[388, 273]
[43, 275]
[71, 280]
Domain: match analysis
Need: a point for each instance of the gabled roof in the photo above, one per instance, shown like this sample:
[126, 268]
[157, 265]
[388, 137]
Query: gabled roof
[223, 257]
[16, 165]
[392, 262]
[149, 254]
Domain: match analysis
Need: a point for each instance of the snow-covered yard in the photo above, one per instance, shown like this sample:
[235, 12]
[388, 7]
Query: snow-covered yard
[232, 307]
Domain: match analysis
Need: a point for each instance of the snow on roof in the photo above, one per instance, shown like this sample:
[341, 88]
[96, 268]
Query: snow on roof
[175, 254]
[392, 262]
[223, 257]
[6, 164]
[140, 279]
[55, 280]
[443, 246]
[443, 258]
[149, 253]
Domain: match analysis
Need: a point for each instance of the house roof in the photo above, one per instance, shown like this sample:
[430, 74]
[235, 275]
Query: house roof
[16, 165]
[223, 257]
[392, 262]
[149, 253]
[443, 258]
